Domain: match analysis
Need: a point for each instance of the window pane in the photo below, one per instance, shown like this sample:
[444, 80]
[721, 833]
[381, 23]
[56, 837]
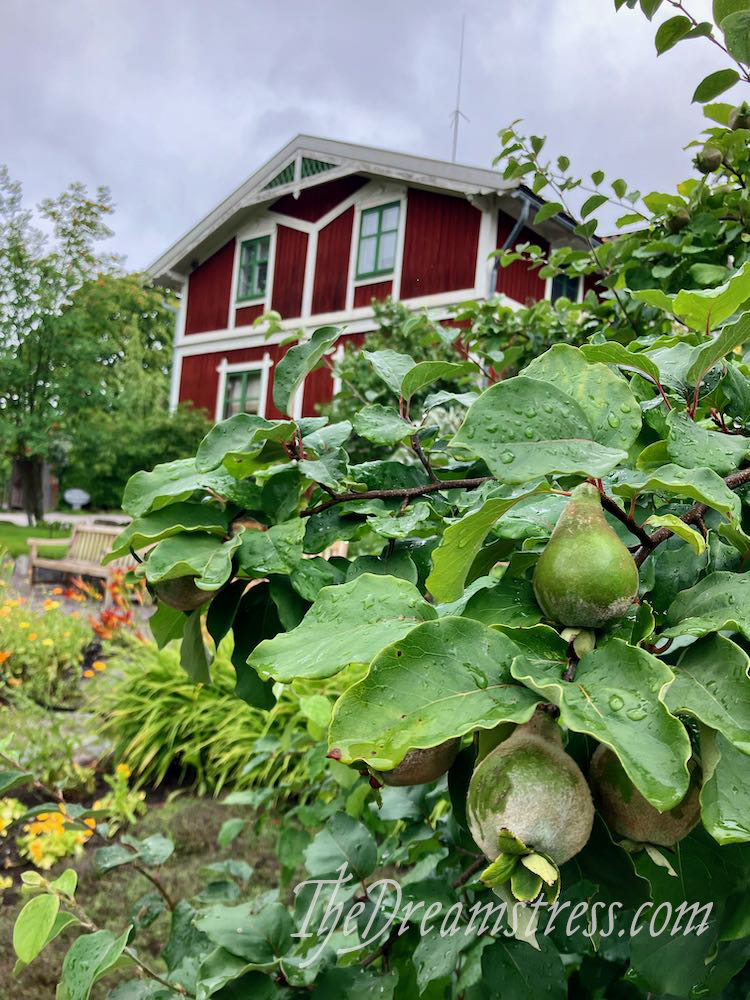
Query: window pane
[564, 286]
[369, 223]
[245, 266]
[261, 274]
[252, 393]
[389, 218]
[387, 255]
[367, 255]
[262, 245]
[234, 395]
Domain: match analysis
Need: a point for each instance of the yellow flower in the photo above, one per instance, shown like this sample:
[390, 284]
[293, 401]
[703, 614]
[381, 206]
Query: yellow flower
[66, 635]
[123, 770]
[88, 673]
[99, 665]
[24, 625]
[6, 882]
[46, 642]
[51, 605]
[57, 591]
[90, 822]
[33, 636]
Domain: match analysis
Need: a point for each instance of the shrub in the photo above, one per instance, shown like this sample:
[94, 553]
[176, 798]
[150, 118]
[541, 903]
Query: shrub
[41, 650]
[162, 724]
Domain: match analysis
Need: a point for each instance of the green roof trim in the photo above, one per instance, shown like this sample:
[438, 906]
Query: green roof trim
[286, 176]
[312, 167]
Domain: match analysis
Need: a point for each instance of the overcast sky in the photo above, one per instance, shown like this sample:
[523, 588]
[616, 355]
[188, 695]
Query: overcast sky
[173, 103]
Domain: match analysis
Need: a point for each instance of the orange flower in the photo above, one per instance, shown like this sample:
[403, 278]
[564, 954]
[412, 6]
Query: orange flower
[57, 591]
[15, 682]
[90, 822]
[51, 605]
[99, 665]
[33, 636]
[4, 657]
[88, 673]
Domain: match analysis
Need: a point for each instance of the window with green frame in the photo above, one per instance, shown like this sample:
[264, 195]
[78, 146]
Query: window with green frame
[253, 269]
[378, 231]
[242, 392]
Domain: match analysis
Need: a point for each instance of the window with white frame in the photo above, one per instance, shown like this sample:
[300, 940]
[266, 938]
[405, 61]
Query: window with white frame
[565, 286]
[242, 392]
[253, 272]
[378, 235]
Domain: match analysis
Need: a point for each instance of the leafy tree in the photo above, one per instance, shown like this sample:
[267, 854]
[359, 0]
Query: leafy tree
[45, 372]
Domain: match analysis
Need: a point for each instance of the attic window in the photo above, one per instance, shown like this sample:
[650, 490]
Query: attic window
[286, 176]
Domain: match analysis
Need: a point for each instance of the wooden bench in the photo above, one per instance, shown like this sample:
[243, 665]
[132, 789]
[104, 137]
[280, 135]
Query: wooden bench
[87, 546]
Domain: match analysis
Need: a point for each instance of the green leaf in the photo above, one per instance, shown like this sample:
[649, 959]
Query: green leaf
[205, 557]
[723, 8]
[714, 84]
[298, 362]
[329, 469]
[442, 680]
[711, 684]
[706, 357]
[278, 550]
[701, 485]
[343, 840]
[525, 429]
[260, 938]
[691, 446]
[89, 958]
[512, 970]
[235, 442]
[194, 658]
[736, 28]
[725, 795]
[66, 883]
[166, 624]
[548, 211]
[108, 858]
[401, 524]
[381, 424]
[12, 779]
[671, 32]
[257, 618]
[611, 408]
[720, 602]
[174, 482]
[230, 830]
[34, 925]
[391, 366]
[460, 545]
[168, 521]
[616, 698]
[510, 602]
[346, 624]
[678, 527]
[616, 354]
[426, 372]
[222, 610]
[591, 204]
[524, 884]
[708, 274]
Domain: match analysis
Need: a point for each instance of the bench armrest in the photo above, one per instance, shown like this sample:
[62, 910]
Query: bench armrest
[36, 543]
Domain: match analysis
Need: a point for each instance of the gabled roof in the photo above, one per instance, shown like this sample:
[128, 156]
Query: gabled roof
[299, 164]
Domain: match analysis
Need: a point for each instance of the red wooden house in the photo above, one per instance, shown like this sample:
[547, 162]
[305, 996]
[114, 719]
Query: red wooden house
[317, 234]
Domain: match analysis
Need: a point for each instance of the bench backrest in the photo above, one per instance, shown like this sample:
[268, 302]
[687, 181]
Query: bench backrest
[90, 543]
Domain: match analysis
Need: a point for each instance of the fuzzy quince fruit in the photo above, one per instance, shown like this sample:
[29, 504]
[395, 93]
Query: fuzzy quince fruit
[422, 766]
[529, 787]
[629, 814]
[585, 576]
[182, 593]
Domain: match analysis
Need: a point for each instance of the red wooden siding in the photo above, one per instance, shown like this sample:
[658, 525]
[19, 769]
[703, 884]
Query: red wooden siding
[199, 381]
[518, 280]
[247, 315]
[314, 202]
[440, 248]
[289, 272]
[332, 264]
[364, 294]
[209, 292]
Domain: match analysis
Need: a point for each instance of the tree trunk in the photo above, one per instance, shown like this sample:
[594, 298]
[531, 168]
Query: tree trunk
[30, 469]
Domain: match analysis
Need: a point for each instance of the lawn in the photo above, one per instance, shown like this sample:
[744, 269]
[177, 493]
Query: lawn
[13, 538]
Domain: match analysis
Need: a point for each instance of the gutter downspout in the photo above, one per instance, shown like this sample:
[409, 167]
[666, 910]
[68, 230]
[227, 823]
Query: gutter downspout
[510, 239]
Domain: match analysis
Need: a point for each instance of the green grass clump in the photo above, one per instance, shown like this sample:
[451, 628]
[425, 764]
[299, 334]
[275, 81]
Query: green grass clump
[163, 725]
[13, 538]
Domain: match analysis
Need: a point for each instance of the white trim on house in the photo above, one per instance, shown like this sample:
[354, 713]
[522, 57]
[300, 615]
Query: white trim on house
[262, 226]
[179, 334]
[224, 368]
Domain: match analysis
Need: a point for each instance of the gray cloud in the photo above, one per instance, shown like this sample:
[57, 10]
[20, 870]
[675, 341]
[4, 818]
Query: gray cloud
[172, 104]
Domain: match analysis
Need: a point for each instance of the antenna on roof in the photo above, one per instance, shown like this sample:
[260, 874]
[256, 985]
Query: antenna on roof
[457, 114]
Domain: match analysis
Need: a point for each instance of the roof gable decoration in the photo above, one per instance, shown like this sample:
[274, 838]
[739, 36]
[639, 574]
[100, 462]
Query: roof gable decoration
[298, 169]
